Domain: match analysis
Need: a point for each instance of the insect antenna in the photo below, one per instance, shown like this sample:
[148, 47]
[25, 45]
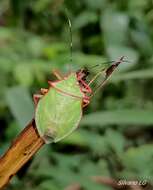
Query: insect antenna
[99, 73]
[71, 45]
[107, 62]
[108, 73]
[70, 31]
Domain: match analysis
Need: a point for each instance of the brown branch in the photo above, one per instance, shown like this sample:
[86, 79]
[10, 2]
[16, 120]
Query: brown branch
[22, 149]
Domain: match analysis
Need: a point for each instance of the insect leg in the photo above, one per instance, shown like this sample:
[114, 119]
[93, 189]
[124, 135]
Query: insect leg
[58, 74]
[96, 76]
[86, 101]
[108, 73]
[50, 83]
[86, 87]
[36, 98]
[109, 70]
[44, 90]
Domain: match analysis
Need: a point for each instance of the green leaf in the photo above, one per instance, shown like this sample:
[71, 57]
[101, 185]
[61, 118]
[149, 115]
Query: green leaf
[20, 104]
[96, 4]
[143, 42]
[138, 162]
[41, 5]
[49, 185]
[119, 117]
[12, 130]
[82, 59]
[85, 18]
[86, 138]
[137, 5]
[23, 74]
[140, 74]
[34, 42]
[115, 27]
[116, 51]
[115, 140]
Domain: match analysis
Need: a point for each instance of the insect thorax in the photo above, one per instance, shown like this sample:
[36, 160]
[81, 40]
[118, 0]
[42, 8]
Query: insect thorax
[70, 85]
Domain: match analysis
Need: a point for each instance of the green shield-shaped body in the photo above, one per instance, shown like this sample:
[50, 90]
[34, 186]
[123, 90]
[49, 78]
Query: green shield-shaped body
[58, 112]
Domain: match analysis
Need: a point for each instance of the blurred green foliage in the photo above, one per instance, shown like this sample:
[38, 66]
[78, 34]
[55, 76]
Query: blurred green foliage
[115, 136]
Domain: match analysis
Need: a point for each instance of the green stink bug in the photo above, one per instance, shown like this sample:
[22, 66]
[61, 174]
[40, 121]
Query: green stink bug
[59, 108]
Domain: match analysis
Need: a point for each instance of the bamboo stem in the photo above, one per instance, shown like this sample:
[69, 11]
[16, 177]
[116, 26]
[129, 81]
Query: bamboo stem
[22, 149]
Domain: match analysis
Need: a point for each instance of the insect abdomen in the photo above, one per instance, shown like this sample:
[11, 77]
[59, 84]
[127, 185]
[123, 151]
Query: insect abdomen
[57, 115]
